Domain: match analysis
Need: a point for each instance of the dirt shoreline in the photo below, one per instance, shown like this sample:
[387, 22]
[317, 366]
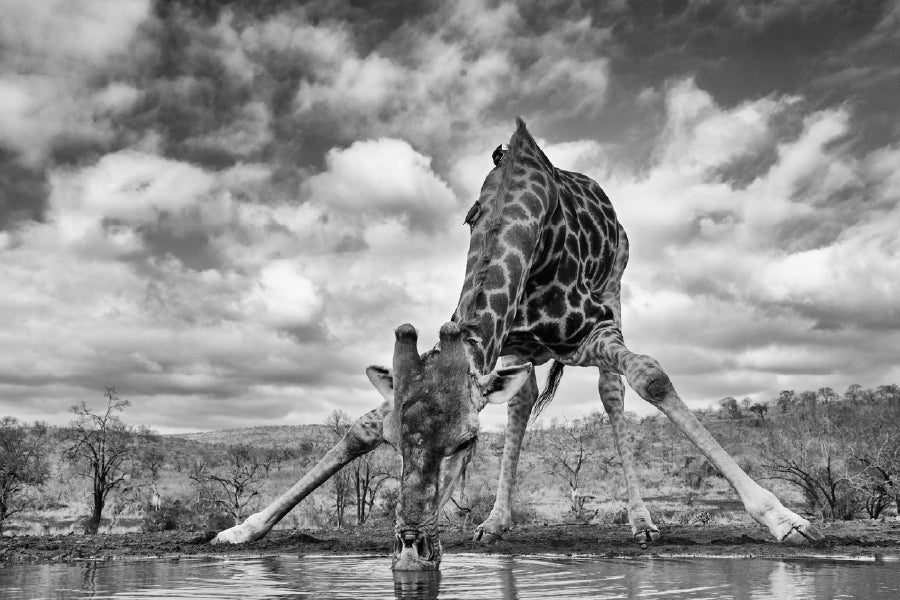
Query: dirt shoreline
[864, 540]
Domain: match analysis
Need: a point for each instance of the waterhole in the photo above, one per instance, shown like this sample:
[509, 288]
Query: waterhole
[461, 576]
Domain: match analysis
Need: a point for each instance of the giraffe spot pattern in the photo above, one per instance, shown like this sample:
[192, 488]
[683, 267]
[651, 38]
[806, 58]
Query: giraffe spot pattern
[544, 267]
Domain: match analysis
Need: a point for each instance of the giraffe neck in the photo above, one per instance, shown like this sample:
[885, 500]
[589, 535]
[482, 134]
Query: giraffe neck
[515, 202]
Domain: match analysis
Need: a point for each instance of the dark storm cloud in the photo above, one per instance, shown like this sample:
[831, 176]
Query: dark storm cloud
[23, 191]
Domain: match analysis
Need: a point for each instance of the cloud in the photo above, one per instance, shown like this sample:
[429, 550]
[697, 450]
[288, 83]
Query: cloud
[225, 210]
[777, 272]
[383, 178]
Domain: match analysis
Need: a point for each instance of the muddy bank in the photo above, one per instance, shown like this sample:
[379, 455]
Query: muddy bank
[859, 539]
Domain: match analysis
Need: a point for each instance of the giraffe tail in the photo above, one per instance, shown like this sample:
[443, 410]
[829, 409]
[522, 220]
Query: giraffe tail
[552, 383]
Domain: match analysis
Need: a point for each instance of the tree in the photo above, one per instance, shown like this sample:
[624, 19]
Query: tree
[338, 422]
[359, 482]
[876, 454]
[234, 484]
[854, 393]
[730, 407]
[809, 401]
[809, 450]
[759, 410]
[887, 393]
[571, 447]
[103, 449]
[151, 459]
[22, 465]
[826, 395]
[786, 399]
[370, 472]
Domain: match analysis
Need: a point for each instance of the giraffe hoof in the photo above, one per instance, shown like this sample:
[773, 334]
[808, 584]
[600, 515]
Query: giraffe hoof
[486, 537]
[802, 534]
[646, 536]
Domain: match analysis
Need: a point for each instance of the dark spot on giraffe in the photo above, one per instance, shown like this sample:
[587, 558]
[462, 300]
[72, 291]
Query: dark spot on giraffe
[585, 223]
[519, 236]
[531, 162]
[594, 241]
[518, 171]
[600, 312]
[544, 276]
[608, 212]
[568, 271]
[494, 278]
[554, 302]
[514, 266]
[538, 178]
[480, 301]
[574, 323]
[572, 245]
[516, 212]
[517, 184]
[533, 203]
[574, 297]
[498, 303]
[583, 245]
[534, 312]
[547, 331]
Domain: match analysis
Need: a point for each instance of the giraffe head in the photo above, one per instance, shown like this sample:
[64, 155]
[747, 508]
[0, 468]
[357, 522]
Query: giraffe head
[434, 427]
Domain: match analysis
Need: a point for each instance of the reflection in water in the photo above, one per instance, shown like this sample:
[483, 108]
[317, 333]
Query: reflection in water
[411, 585]
[462, 576]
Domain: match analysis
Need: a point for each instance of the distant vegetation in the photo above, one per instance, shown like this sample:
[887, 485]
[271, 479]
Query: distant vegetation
[828, 455]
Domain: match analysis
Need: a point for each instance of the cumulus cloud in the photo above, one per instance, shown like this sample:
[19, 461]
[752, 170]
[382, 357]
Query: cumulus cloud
[224, 210]
[792, 265]
[384, 178]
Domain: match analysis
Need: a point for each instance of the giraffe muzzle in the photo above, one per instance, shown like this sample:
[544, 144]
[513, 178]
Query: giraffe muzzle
[414, 550]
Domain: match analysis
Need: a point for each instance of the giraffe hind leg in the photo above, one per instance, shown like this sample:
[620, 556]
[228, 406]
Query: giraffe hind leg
[611, 394]
[646, 377]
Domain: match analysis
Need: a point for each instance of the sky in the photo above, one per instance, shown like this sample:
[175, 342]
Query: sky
[223, 210]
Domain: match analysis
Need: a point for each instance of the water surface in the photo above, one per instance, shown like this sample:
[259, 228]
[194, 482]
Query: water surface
[461, 576]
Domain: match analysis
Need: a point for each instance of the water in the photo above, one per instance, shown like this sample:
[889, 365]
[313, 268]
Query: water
[461, 576]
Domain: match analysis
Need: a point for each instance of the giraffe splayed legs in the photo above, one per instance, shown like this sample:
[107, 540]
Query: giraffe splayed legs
[518, 414]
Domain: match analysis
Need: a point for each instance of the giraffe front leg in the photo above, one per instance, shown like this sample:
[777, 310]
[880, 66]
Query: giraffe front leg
[611, 393]
[647, 378]
[364, 436]
[518, 412]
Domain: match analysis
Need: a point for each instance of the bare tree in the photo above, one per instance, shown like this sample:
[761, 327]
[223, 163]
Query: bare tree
[810, 451]
[876, 454]
[338, 422]
[572, 447]
[22, 465]
[103, 449]
[234, 484]
[370, 472]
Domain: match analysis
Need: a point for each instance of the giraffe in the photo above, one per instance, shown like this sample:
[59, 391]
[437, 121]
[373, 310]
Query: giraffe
[542, 283]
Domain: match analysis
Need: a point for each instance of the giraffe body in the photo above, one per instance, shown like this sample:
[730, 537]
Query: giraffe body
[543, 281]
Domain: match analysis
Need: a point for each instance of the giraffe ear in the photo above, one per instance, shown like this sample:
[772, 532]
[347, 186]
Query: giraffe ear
[383, 380]
[500, 385]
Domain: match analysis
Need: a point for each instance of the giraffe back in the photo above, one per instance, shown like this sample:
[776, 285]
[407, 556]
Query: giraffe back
[582, 249]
